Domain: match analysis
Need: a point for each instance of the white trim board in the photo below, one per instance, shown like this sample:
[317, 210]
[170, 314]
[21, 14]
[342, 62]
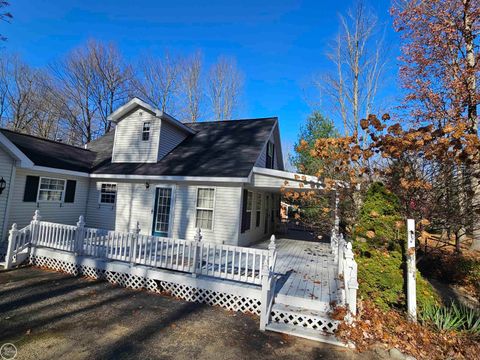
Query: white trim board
[171, 178]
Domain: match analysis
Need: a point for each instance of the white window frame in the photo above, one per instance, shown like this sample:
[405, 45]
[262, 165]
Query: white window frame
[100, 193]
[51, 201]
[202, 208]
[149, 132]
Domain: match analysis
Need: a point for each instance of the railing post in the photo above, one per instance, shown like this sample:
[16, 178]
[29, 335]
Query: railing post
[34, 227]
[264, 301]
[272, 248]
[351, 283]
[133, 243]
[12, 238]
[341, 254]
[197, 238]
[79, 236]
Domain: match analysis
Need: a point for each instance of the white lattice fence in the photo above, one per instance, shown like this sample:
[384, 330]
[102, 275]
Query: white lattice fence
[226, 300]
[303, 320]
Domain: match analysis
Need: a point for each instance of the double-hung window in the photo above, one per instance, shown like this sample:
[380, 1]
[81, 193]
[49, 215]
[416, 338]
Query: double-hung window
[258, 209]
[108, 193]
[51, 189]
[146, 131]
[205, 205]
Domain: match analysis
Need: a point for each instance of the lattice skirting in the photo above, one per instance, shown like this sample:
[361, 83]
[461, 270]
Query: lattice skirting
[226, 300]
[306, 321]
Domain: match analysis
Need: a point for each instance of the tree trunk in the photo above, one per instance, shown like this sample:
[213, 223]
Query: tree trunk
[472, 121]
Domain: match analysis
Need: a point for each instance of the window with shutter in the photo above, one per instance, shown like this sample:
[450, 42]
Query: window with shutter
[70, 191]
[31, 189]
[246, 210]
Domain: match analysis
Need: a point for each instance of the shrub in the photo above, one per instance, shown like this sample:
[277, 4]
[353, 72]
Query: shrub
[380, 221]
[380, 276]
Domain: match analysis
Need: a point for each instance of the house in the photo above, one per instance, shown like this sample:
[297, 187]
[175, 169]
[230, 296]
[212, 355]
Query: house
[154, 173]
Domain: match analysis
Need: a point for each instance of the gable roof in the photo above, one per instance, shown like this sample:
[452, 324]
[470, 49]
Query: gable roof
[49, 153]
[123, 110]
[218, 148]
[214, 149]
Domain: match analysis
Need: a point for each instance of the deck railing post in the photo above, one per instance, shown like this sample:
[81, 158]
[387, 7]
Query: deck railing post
[265, 299]
[272, 248]
[351, 283]
[133, 243]
[197, 238]
[79, 236]
[12, 238]
[341, 254]
[34, 227]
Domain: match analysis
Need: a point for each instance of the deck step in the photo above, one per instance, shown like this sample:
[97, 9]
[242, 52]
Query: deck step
[310, 304]
[301, 318]
[305, 333]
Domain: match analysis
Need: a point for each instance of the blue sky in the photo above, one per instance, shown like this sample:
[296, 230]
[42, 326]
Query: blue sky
[279, 45]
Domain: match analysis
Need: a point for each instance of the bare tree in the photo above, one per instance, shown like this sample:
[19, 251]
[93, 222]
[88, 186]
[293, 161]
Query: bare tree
[157, 80]
[111, 79]
[19, 90]
[359, 59]
[92, 80]
[76, 80]
[224, 87]
[4, 15]
[191, 89]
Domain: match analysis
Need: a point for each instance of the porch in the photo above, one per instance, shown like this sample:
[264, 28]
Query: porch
[290, 284]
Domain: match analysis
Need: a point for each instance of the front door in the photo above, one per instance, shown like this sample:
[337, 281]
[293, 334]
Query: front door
[162, 211]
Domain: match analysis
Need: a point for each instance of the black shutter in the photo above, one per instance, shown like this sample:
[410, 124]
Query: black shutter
[269, 159]
[273, 156]
[70, 191]
[245, 215]
[31, 189]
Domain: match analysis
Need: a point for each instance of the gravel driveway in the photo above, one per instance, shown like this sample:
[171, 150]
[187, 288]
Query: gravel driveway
[50, 315]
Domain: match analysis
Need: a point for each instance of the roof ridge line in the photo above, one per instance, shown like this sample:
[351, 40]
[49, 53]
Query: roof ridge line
[233, 120]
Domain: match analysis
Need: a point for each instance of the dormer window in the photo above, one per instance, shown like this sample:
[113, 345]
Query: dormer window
[146, 131]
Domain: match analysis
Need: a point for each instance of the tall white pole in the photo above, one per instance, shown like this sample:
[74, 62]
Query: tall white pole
[411, 272]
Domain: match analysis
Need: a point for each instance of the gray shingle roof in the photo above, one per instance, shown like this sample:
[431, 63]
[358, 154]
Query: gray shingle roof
[43, 152]
[218, 148]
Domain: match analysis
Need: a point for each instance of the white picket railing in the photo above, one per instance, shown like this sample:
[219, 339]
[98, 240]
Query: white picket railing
[346, 271]
[18, 241]
[229, 262]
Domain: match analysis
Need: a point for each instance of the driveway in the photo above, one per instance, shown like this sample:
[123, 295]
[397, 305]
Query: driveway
[49, 315]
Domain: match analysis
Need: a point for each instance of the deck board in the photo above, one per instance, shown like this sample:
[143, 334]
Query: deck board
[306, 270]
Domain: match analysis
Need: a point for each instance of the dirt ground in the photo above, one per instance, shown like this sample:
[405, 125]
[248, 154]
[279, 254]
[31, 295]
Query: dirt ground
[49, 315]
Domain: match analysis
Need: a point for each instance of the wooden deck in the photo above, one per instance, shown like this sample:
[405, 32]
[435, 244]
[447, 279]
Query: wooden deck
[306, 274]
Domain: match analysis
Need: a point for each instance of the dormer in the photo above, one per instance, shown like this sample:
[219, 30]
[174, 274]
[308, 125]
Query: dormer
[144, 134]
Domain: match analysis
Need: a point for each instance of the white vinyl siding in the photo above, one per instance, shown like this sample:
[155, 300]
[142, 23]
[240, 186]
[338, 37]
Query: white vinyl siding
[66, 213]
[170, 137]
[128, 144]
[99, 215]
[7, 167]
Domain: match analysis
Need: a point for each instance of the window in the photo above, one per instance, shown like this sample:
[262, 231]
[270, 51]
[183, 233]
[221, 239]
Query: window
[270, 155]
[108, 193]
[146, 131]
[51, 189]
[258, 209]
[205, 203]
[249, 201]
